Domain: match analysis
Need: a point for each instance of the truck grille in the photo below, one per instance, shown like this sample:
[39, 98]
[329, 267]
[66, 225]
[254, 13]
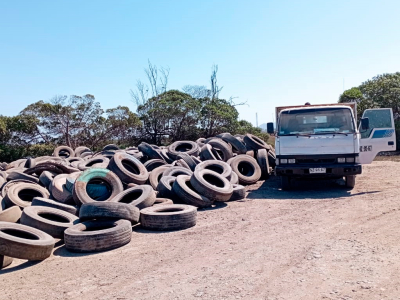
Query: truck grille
[316, 161]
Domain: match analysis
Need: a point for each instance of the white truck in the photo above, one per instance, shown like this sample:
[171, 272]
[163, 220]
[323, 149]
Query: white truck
[323, 141]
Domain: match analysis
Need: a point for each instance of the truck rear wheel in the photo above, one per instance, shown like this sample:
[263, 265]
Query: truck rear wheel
[286, 183]
[350, 181]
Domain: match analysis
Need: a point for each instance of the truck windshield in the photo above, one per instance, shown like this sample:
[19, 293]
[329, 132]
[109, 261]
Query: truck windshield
[316, 121]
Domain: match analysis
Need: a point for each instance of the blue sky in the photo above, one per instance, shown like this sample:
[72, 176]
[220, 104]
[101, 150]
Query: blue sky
[269, 53]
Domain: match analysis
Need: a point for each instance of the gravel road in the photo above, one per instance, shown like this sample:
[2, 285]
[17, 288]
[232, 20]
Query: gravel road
[318, 242]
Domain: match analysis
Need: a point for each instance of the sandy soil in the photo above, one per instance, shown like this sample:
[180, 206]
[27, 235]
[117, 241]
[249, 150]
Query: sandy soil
[318, 242]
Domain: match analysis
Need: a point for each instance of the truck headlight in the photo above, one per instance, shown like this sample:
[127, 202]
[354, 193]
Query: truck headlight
[283, 161]
[341, 160]
[350, 159]
[291, 161]
[357, 159]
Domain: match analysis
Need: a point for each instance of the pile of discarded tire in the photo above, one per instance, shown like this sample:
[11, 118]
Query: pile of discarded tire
[92, 200]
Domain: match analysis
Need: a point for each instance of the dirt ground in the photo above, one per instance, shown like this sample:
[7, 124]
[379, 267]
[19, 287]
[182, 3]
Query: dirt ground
[318, 242]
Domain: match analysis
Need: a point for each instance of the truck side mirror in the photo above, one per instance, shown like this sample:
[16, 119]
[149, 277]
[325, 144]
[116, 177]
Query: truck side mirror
[270, 128]
[365, 123]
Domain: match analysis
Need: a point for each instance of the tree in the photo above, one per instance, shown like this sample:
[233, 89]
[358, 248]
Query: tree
[171, 115]
[379, 92]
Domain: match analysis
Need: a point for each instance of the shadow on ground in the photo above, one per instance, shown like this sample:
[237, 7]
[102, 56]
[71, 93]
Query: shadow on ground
[303, 189]
[22, 266]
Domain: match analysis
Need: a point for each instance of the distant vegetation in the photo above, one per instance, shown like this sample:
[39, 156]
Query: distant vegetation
[162, 116]
[382, 91]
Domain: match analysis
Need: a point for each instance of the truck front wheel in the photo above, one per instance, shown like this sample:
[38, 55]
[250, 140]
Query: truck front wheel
[286, 182]
[350, 181]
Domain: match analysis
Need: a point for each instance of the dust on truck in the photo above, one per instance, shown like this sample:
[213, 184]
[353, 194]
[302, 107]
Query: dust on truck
[323, 141]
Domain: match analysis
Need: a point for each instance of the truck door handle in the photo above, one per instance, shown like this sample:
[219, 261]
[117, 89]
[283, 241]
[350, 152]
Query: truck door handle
[391, 143]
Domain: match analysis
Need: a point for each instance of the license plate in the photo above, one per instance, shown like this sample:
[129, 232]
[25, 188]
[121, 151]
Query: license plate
[317, 170]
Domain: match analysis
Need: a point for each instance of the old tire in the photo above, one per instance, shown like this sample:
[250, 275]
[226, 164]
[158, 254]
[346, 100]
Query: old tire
[247, 169]
[38, 201]
[128, 168]
[24, 242]
[156, 175]
[262, 160]
[220, 149]
[95, 236]
[11, 214]
[211, 185]
[63, 152]
[188, 147]
[168, 217]
[239, 192]
[141, 196]
[22, 194]
[47, 219]
[217, 166]
[255, 143]
[151, 164]
[176, 171]
[163, 201]
[184, 190]
[164, 187]
[80, 194]
[109, 210]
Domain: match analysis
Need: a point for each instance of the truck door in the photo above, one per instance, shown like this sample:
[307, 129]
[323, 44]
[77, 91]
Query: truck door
[380, 136]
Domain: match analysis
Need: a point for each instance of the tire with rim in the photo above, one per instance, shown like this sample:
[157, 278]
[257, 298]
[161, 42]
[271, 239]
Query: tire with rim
[184, 190]
[24, 242]
[38, 201]
[95, 236]
[211, 185]
[47, 219]
[128, 168]
[113, 183]
[246, 168]
[140, 196]
[22, 194]
[109, 210]
[168, 217]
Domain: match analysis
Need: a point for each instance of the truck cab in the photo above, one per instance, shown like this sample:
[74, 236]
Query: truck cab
[323, 141]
